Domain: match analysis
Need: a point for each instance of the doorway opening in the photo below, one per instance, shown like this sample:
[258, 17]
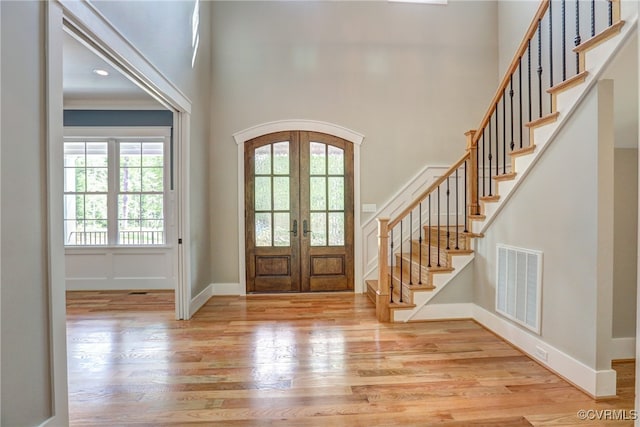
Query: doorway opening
[119, 108]
[83, 21]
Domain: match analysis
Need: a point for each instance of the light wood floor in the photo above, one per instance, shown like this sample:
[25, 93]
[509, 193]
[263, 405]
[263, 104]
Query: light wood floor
[303, 360]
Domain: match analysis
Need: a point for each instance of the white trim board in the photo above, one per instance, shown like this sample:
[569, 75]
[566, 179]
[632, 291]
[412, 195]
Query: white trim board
[200, 300]
[0, 209]
[623, 348]
[298, 124]
[312, 126]
[446, 311]
[54, 188]
[228, 289]
[116, 131]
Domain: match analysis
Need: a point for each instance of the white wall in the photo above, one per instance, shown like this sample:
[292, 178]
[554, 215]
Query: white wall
[412, 78]
[563, 224]
[459, 290]
[625, 254]
[624, 71]
[162, 31]
[26, 372]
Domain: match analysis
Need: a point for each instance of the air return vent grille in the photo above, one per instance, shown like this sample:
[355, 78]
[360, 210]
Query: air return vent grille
[519, 285]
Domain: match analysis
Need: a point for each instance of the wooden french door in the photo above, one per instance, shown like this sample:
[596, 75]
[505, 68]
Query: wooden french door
[298, 213]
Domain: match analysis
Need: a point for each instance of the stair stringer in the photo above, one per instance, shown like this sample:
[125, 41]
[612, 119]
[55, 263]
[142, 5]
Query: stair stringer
[596, 60]
[440, 281]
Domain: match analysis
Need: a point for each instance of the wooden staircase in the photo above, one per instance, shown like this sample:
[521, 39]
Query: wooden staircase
[433, 254]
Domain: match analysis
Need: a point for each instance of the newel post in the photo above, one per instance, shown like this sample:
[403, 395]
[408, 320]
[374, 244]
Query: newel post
[472, 177]
[382, 295]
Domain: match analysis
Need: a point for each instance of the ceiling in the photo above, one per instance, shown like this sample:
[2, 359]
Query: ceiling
[85, 89]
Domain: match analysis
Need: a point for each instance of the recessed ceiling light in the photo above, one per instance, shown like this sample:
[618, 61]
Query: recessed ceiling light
[101, 72]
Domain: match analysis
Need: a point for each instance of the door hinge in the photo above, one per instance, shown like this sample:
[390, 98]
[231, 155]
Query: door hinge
[179, 241]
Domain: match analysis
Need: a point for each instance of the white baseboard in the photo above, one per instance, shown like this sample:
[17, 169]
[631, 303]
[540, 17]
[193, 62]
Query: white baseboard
[228, 289]
[199, 300]
[596, 383]
[118, 284]
[54, 421]
[445, 311]
[214, 289]
[623, 348]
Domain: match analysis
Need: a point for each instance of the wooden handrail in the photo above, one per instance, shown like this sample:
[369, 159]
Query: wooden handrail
[429, 190]
[533, 27]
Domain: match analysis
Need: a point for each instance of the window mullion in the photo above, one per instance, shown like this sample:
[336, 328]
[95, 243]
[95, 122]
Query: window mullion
[168, 192]
[112, 196]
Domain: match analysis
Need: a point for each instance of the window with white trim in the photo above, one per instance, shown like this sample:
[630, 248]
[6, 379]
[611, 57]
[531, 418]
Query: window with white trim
[115, 191]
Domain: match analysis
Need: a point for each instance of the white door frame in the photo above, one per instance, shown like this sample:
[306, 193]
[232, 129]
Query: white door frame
[311, 126]
[84, 19]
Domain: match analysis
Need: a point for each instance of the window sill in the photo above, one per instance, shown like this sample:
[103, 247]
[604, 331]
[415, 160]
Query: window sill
[102, 248]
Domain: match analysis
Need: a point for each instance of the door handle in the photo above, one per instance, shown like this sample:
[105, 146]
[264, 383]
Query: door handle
[295, 228]
[305, 230]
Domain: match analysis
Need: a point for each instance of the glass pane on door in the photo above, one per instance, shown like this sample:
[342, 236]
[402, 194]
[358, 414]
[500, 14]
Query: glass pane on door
[327, 193]
[272, 196]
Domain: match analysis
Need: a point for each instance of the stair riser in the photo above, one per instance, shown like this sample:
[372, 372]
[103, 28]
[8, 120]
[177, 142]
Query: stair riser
[407, 295]
[371, 292]
[443, 256]
[415, 272]
[455, 239]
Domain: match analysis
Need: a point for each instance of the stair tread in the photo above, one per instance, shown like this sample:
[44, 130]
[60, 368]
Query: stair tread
[505, 176]
[432, 269]
[603, 35]
[478, 217]
[461, 251]
[415, 257]
[401, 306]
[474, 235]
[549, 118]
[568, 83]
[490, 199]
[420, 287]
[523, 151]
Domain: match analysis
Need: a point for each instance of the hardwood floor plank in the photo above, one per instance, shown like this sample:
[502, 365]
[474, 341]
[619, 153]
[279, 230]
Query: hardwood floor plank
[303, 360]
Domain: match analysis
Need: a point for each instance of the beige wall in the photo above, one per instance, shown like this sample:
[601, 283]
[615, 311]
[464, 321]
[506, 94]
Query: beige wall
[26, 372]
[562, 224]
[459, 290]
[412, 78]
[162, 31]
[514, 17]
[625, 242]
